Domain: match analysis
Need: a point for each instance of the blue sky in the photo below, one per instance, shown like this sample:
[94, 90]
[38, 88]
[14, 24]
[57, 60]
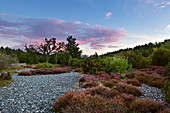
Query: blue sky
[99, 25]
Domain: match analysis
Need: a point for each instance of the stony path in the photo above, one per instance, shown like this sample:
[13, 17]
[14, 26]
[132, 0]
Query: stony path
[35, 94]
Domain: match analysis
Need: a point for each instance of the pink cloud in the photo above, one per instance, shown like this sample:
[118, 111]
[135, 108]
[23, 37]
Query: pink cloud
[114, 46]
[31, 30]
[2, 14]
[108, 15]
[141, 36]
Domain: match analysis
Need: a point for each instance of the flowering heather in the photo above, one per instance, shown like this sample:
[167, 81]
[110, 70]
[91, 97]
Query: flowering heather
[90, 84]
[116, 76]
[129, 89]
[78, 70]
[81, 103]
[110, 83]
[102, 76]
[45, 71]
[134, 82]
[147, 106]
[87, 78]
[25, 73]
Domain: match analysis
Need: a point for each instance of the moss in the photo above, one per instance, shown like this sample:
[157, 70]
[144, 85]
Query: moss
[5, 82]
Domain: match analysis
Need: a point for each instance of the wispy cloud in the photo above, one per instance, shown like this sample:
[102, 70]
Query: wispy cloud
[108, 15]
[114, 46]
[141, 36]
[167, 28]
[23, 30]
[162, 3]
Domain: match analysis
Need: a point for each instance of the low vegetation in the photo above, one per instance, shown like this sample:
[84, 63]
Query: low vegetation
[5, 78]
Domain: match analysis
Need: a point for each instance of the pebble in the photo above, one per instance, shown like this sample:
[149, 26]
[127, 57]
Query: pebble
[153, 93]
[36, 93]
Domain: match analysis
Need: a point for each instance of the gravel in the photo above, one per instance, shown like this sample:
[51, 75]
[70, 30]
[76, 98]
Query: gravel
[35, 94]
[153, 93]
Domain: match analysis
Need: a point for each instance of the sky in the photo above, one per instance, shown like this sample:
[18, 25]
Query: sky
[98, 25]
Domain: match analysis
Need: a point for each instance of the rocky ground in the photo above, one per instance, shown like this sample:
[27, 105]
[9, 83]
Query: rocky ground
[35, 93]
[153, 93]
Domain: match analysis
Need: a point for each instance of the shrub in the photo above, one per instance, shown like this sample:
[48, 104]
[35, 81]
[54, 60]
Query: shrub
[151, 80]
[134, 82]
[5, 76]
[129, 89]
[90, 84]
[81, 103]
[63, 101]
[161, 57]
[110, 83]
[166, 90]
[102, 91]
[6, 61]
[92, 65]
[131, 75]
[167, 72]
[116, 65]
[102, 76]
[87, 78]
[146, 106]
[44, 65]
[136, 59]
[75, 62]
[25, 73]
[63, 59]
[78, 70]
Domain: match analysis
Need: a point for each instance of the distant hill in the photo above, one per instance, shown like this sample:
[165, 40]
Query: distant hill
[141, 48]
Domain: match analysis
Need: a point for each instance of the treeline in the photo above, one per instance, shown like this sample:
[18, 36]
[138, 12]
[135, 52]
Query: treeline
[47, 51]
[144, 49]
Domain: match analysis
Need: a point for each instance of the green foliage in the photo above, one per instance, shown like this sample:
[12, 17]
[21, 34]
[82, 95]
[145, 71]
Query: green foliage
[166, 90]
[136, 59]
[167, 72]
[92, 65]
[75, 62]
[72, 48]
[166, 45]
[6, 61]
[44, 65]
[63, 59]
[161, 57]
[116, 65]
[53, 59]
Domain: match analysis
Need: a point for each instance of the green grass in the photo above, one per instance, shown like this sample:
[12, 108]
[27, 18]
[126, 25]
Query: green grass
[5, 82]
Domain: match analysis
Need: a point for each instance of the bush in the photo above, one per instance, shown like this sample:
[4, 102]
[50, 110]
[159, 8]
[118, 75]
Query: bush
[102, 76]
[44, 65]
[136, 59]
[78, 70]
[75, 62]
[146, 106]
[151, 80]
[129, 89]
[102, 91]
[25, 73]
[110, 83]
[87, 78]
[167, 72]
[81, 103]
[116, 65]
[90, 84]
[92, 65]
[161, 57]
[5, 76]
[166, 90]
[134, 82]
[6, 61]
[63, 59]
